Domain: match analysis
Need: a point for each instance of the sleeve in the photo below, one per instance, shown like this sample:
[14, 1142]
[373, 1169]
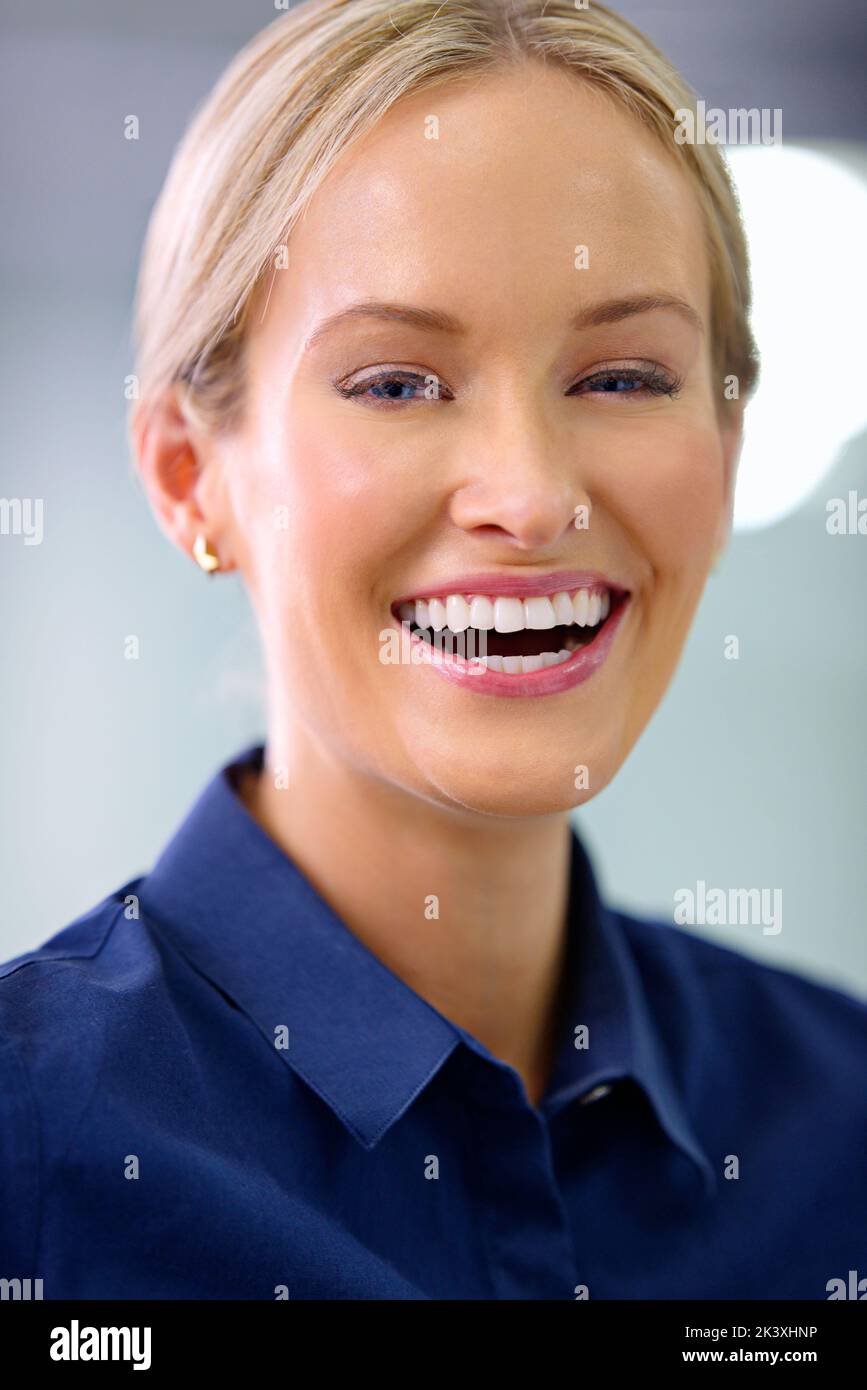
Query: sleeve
[19, 1168]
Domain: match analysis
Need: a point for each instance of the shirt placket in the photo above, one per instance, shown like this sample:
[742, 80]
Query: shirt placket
[525, 1226]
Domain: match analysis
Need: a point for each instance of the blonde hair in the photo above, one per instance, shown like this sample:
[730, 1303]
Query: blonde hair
[291, 103]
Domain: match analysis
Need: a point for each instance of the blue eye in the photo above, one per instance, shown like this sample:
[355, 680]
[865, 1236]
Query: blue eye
[394, 388]
[616, 383]
[631, 381]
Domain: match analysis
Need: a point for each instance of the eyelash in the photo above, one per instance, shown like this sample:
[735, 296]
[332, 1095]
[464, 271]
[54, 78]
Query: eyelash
[654, 380]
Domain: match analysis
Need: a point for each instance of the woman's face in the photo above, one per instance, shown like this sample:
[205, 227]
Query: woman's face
[389, 458]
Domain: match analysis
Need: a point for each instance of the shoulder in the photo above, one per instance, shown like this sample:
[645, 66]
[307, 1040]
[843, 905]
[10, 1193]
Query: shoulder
[750, 1007]
[64, 1002]
[66, 1007]
[97, 959]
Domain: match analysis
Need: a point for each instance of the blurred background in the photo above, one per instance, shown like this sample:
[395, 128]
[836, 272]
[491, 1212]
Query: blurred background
[751, 775]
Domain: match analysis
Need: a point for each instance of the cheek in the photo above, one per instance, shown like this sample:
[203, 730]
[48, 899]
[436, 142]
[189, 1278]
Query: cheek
[333, 507]
[671, 500]
[366, 479]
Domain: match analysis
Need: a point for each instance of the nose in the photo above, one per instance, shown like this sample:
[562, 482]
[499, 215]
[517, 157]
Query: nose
[524, 483]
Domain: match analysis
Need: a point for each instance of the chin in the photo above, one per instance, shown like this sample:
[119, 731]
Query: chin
[520, 788]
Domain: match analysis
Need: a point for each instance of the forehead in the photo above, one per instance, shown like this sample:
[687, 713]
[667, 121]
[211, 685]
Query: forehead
[475, 195]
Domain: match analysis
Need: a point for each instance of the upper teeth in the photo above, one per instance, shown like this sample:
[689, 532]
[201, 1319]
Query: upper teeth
[584, 607]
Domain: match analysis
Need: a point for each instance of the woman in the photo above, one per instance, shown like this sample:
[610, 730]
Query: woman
[443, 345]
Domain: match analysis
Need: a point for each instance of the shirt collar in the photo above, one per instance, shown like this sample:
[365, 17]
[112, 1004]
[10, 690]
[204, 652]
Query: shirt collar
[608, 994]
[245, 917]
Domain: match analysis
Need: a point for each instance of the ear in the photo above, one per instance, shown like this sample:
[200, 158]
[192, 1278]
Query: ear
[179, 466]
[731, 434]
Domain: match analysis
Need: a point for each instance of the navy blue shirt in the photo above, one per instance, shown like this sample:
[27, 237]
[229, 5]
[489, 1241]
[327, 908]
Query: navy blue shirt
[209, 1088]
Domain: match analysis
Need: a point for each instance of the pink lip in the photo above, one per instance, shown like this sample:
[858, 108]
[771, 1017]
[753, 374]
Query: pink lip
[523, 585]
[552, 680]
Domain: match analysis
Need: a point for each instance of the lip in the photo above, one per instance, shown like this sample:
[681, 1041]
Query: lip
[515, 585]
[551, 680]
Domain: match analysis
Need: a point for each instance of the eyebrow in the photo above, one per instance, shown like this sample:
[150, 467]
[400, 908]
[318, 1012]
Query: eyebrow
[438, 321]
[613, 310]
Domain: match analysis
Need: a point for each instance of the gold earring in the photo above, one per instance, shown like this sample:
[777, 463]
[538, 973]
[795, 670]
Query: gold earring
[206, 558]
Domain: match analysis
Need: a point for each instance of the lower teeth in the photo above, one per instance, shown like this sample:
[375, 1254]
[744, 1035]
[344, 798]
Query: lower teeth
[523, 665]
[515, 665]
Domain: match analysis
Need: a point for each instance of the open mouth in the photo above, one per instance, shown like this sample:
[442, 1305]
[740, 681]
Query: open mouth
[512, 635]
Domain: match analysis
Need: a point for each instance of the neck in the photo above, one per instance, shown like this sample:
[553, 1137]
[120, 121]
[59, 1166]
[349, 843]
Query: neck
[468, 910]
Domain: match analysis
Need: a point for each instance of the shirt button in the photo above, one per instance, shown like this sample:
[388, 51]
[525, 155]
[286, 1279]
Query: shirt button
[596, 1094]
